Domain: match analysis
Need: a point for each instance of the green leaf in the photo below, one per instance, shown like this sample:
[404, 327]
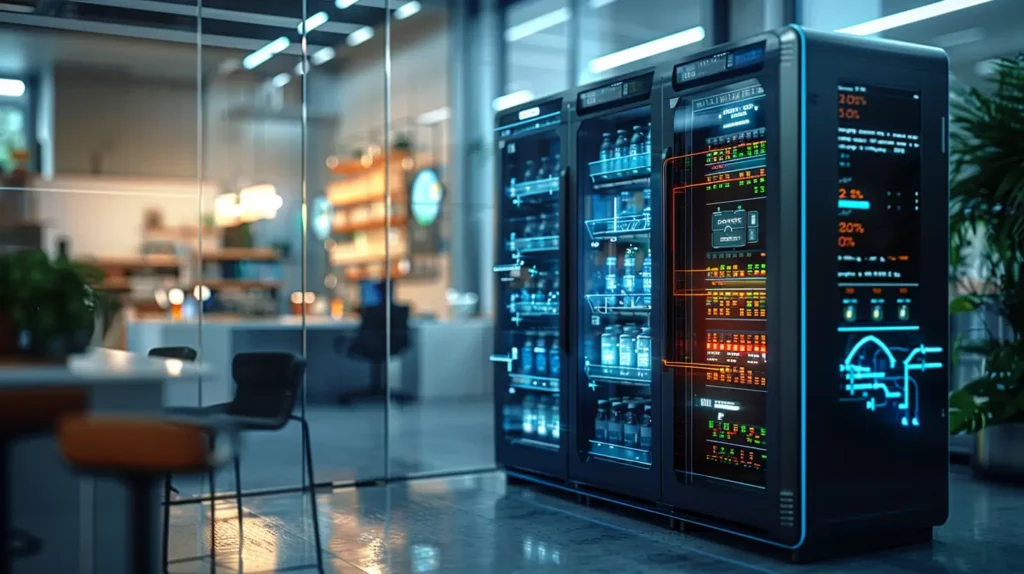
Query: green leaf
[963, 304]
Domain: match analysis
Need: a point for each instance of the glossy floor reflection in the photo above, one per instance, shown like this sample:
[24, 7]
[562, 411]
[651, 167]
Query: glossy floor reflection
[478, 524]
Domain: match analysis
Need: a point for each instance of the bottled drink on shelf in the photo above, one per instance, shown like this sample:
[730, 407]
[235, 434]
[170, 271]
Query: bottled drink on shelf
[530, 229]
[611, 280]
[626, 203]
[643, 349]
[607, 152]
[627, 347]
[512, 414]
[556, 169]
[512, 174]
[555, 357]
[647, 140]
[610, 346]
[631, 425]
[555, 424]
[615, 422]
[554, 289]
[544, 171]
[636, 144]
[647, 205]
[621, 150]
[544, 225]
[530, 173]
[601, 421]
[529, 416]
[646, 427]
[526, 357]
[629, 272]
[645, 278]
[543, 417]
[540, 357]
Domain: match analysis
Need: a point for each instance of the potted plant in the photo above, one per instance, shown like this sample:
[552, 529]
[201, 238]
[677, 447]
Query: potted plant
[48, 308]
[987, 255]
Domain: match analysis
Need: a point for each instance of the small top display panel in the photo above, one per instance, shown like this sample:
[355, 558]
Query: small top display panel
[533, 118]
[740, 58]
[621, 91]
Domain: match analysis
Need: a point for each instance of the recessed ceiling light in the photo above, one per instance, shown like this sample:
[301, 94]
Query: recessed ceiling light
[342, 4]
[313, 22]
[538, 24]
[408, 9]
[359, 36]
[647, 49]
[266, 52]
[909, 17]
[281, 80]
[322, 56]
[511, 100]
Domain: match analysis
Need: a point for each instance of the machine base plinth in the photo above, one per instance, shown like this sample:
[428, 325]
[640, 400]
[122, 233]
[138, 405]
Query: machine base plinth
[813, 552]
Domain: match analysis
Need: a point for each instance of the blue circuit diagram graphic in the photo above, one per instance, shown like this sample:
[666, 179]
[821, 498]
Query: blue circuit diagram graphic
[873, 375]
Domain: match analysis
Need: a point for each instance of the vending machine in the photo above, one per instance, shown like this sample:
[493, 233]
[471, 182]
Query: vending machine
[531, 326]
[806, 359]
[616, 268]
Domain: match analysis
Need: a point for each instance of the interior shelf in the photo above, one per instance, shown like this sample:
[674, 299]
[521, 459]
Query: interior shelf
[622, 226]
[534, 443]
[537, 188]
[621, 170]
[620, 453]
[535, 383]
[533, 244]
[620, 375]
[623, 305]
[524, 309]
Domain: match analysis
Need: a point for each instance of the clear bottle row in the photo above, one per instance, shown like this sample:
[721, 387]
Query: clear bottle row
[624, 421]
[626, 152]
[545, 168]
[626, 346]
[626, 284]
[541, 355]
[537, 418]
[539, 293]
[543, 225]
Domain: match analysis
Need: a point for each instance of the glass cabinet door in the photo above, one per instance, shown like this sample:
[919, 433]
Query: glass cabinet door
[614, 410]
[530, 338]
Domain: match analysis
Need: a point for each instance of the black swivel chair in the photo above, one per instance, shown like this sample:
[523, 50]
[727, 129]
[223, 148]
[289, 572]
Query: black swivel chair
[267, 385]
[369, 345]
[187, 354]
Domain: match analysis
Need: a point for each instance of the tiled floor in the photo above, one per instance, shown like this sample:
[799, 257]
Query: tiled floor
[478, 524]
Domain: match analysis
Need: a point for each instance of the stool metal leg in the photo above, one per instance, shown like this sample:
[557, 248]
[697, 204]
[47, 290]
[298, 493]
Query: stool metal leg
[167, 521]
[312, 493]
[141, 523]
[238, 506]
[5, 510]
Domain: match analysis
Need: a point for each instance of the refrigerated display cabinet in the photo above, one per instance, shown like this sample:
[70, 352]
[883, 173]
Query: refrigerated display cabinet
[531, 328]
[617, 266]
[806, 402]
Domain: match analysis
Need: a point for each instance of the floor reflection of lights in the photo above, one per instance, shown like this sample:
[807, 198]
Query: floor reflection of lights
[261, 543]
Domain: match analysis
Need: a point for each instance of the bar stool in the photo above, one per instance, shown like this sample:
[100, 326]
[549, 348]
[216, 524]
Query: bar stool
[24, 412]
[140, 452]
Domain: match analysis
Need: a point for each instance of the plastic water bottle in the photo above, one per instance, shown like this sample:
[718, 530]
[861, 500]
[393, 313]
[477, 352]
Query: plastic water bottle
[601, 421]
[645, 279]
[606, 154]
[555, 357]
[646, 428]
[512, 414]
[543, 417]
[636, 147]
[627, 347]
[621, 150]
[615, 423]
[555, 425]
[529, 174]
[643, 349]
[631, 426]
[629, 272]
[526, 357]
[611, 280]
[609, 347]
[529, 416]
[540, 357]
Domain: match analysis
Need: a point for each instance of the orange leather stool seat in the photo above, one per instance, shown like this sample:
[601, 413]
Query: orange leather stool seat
[34, 410]
[134, 445]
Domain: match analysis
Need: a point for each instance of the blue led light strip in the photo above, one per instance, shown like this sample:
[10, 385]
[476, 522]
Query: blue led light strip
[875, 329]
[854, 204]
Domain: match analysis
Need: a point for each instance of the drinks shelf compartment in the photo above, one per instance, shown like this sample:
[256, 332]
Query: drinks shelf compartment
[620, 453]
[533, 244]
[530, 309]
[621, 226]
[534, 189]
[623, 305]
[621, 375]
[617, 171]
[535, 443]
[534, 382]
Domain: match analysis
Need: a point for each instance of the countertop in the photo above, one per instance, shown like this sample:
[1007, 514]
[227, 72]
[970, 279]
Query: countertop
[98, 365]
[295, 322]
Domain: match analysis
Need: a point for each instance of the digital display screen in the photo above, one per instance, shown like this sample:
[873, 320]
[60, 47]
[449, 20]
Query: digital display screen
[724, 61]
[719, 283]
[878, 238]
[626, 89]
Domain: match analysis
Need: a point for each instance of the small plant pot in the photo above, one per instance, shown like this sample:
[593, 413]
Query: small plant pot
[998, 454]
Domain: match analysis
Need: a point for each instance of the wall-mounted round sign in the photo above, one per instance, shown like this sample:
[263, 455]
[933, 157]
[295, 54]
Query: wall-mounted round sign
[323, 218]
[426, 197]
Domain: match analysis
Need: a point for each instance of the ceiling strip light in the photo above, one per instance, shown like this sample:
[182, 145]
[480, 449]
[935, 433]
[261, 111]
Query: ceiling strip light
[266, 52]
[647, 49]
[434, 116]
[281, 80]
[322, 56]
[909, 17]
[359, 36]
[538, 24]
[342, 4]
[313, 22]
[408, 9]
[511, 100]
[11, 88]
